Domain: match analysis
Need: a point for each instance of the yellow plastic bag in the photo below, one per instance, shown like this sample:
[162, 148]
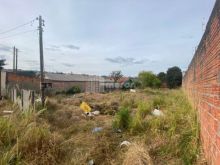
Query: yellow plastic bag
[85, 107]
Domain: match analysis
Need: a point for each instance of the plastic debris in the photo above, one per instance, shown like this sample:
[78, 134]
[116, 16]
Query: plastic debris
[96, 113]
[157, 112]
[38, 100]
[132, 90]
[97, 129]
[119, 131]
[8, 112]
[85, 107]
[91, 162]
[125, 143]
[89, 114]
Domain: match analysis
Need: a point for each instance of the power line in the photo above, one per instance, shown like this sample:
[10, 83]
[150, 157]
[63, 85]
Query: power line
[17, 27]
[17, 34]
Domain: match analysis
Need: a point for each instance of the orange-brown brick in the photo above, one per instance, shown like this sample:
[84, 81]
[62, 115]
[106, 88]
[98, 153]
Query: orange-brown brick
[202, 85]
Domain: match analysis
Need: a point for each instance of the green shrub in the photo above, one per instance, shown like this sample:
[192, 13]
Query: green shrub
[148, 79]
[159, 102]
[138, 121]
[144, 108]
[122, 119]
[73, 90]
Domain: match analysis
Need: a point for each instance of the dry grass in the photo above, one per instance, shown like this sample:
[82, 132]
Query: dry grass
[137, 154]
[62, 135]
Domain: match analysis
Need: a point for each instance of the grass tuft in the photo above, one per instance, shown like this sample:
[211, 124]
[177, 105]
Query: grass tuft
[122, 119]
[137, 154]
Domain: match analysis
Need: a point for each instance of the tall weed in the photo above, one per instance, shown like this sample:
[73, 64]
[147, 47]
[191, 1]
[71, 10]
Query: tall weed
[122, 119]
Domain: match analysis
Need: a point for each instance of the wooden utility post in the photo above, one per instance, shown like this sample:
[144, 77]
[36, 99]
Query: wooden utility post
[40, 28]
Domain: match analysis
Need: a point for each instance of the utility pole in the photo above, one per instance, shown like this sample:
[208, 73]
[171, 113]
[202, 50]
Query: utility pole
[40, 28]
[13, 58]
[16, 61]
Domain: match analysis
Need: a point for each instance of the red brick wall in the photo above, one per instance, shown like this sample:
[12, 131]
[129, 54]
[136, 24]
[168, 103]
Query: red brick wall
[25, 82]
[202, 85]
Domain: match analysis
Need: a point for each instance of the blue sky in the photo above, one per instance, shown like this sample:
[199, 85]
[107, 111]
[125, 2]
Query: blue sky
[99, 36]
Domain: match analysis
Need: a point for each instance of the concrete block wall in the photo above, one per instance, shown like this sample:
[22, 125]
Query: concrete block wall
[202, 85]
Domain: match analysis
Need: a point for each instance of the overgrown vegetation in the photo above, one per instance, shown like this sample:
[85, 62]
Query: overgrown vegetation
[24, 140]
[148, 79]
[61, 135]
[177, 130]
[73, 90]
[122, 119]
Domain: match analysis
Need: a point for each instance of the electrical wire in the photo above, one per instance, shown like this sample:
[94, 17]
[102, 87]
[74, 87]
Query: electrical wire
[17, 27]
[17, 34]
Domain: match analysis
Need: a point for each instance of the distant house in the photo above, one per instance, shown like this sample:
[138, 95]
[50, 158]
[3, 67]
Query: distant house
[58, 81]
[109, 84]
[126, 83]
[87, 83]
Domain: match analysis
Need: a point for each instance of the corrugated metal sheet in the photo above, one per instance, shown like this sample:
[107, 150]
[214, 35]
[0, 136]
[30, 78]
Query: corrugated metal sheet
[72, 77]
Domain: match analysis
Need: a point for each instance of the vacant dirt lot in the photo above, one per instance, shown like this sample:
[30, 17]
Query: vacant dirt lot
[63, 134]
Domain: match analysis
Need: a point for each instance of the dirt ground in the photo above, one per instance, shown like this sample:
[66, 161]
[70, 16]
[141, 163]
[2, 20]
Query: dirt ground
[153, 140]
[69, 120]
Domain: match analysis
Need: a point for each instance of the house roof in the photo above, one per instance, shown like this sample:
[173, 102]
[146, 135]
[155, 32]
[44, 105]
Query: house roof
[71, 77]
[123, 80]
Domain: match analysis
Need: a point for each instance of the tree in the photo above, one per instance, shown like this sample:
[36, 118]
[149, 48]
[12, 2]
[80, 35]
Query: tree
[116, 75]
[148, 79]
[2, 63]
[174, 77]
[162, 77]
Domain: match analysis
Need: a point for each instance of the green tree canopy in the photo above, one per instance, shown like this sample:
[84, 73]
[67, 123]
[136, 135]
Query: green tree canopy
[148, 79]
[2, 63]
[162, 77]
[174, 77]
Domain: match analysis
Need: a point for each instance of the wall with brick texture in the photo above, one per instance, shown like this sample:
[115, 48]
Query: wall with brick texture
[33, 83]
[24, 82]
[202, 85]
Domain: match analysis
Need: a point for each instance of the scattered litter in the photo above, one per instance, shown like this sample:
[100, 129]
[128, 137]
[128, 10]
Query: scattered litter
[119, 131]
[38, 100]
[96, 113]
[89, 114]
[132, 90]
[157, 112]
[8, 112]
[91, 162]
[85, 107]
[97, 129]
[125, 143]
